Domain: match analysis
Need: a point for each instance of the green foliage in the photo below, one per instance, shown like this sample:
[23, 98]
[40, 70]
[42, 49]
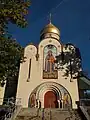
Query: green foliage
[69, 60]
[13, 11]
[10, 55]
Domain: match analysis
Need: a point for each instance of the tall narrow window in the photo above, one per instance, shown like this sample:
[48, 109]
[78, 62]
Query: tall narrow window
[29, 71]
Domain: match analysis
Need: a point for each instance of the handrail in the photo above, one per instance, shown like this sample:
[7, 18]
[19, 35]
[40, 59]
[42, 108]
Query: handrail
[85, 99]
[17, 110]
[85, 112]
[8, 113]
[84, 102]
[7, 101]
[12, 106]
[83, 106]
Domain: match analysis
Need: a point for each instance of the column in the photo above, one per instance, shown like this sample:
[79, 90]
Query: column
[62, 104]
[35, 103]
[38, 103]
[58, 103]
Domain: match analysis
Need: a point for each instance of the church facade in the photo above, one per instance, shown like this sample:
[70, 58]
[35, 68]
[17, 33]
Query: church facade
[40, 84]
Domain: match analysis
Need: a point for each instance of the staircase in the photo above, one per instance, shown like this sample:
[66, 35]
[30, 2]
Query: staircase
[47, 114]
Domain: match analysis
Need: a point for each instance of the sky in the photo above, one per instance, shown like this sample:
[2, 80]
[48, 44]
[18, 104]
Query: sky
[72, 17]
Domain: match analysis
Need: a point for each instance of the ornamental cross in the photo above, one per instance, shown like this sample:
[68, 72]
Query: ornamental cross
[50, 17]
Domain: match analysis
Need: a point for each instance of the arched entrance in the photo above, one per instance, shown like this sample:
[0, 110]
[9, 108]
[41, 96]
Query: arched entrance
[50, 94]
[50, 100]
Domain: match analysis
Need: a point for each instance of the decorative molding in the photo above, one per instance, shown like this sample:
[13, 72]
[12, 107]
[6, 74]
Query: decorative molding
[30, 48]
[50, 41]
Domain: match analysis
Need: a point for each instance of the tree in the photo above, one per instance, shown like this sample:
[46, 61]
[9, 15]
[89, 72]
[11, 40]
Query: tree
[13, 11]
[69, 61]
[10, 55]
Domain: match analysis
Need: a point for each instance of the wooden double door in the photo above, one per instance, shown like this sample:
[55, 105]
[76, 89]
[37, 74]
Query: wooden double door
[50, 100]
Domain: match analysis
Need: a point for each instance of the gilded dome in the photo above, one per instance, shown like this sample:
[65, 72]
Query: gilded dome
[50, 28]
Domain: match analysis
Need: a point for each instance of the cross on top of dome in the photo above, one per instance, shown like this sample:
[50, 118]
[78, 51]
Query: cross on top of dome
[50, 18]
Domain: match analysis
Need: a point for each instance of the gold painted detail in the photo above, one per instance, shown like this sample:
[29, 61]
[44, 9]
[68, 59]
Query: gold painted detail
[50, 75]
[50, 40]
[50, 28]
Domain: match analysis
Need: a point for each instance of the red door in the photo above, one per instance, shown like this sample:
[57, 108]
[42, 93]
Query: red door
[50, 100]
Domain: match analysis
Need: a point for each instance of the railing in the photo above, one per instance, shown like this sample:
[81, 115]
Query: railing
[11, 104]
[8, 114]
[84, 103]
[7, 101]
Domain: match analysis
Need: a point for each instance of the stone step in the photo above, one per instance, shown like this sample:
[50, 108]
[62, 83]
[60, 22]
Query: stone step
[46, 114]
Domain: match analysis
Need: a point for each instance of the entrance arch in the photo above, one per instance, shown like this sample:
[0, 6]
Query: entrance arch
[50, 100]
[39, 96]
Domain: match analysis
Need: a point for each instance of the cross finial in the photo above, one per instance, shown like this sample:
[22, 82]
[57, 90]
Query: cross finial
[50, 18]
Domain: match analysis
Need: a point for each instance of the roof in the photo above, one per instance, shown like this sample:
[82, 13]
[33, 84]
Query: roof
[84, 83]
[50, 28]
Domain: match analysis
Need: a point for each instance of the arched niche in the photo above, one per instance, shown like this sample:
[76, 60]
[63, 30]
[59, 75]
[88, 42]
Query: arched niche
[49, 57]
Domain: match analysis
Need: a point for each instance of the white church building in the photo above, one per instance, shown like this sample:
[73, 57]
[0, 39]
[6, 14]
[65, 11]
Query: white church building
[40, 84]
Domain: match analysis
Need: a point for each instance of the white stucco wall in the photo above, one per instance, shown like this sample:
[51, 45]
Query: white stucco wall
[2, 91]
[36, 75]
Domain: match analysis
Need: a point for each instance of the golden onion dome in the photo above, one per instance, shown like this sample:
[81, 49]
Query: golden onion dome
[50, 28]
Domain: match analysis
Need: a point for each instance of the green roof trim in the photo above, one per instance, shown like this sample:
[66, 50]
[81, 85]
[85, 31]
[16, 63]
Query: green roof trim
[84, 83]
